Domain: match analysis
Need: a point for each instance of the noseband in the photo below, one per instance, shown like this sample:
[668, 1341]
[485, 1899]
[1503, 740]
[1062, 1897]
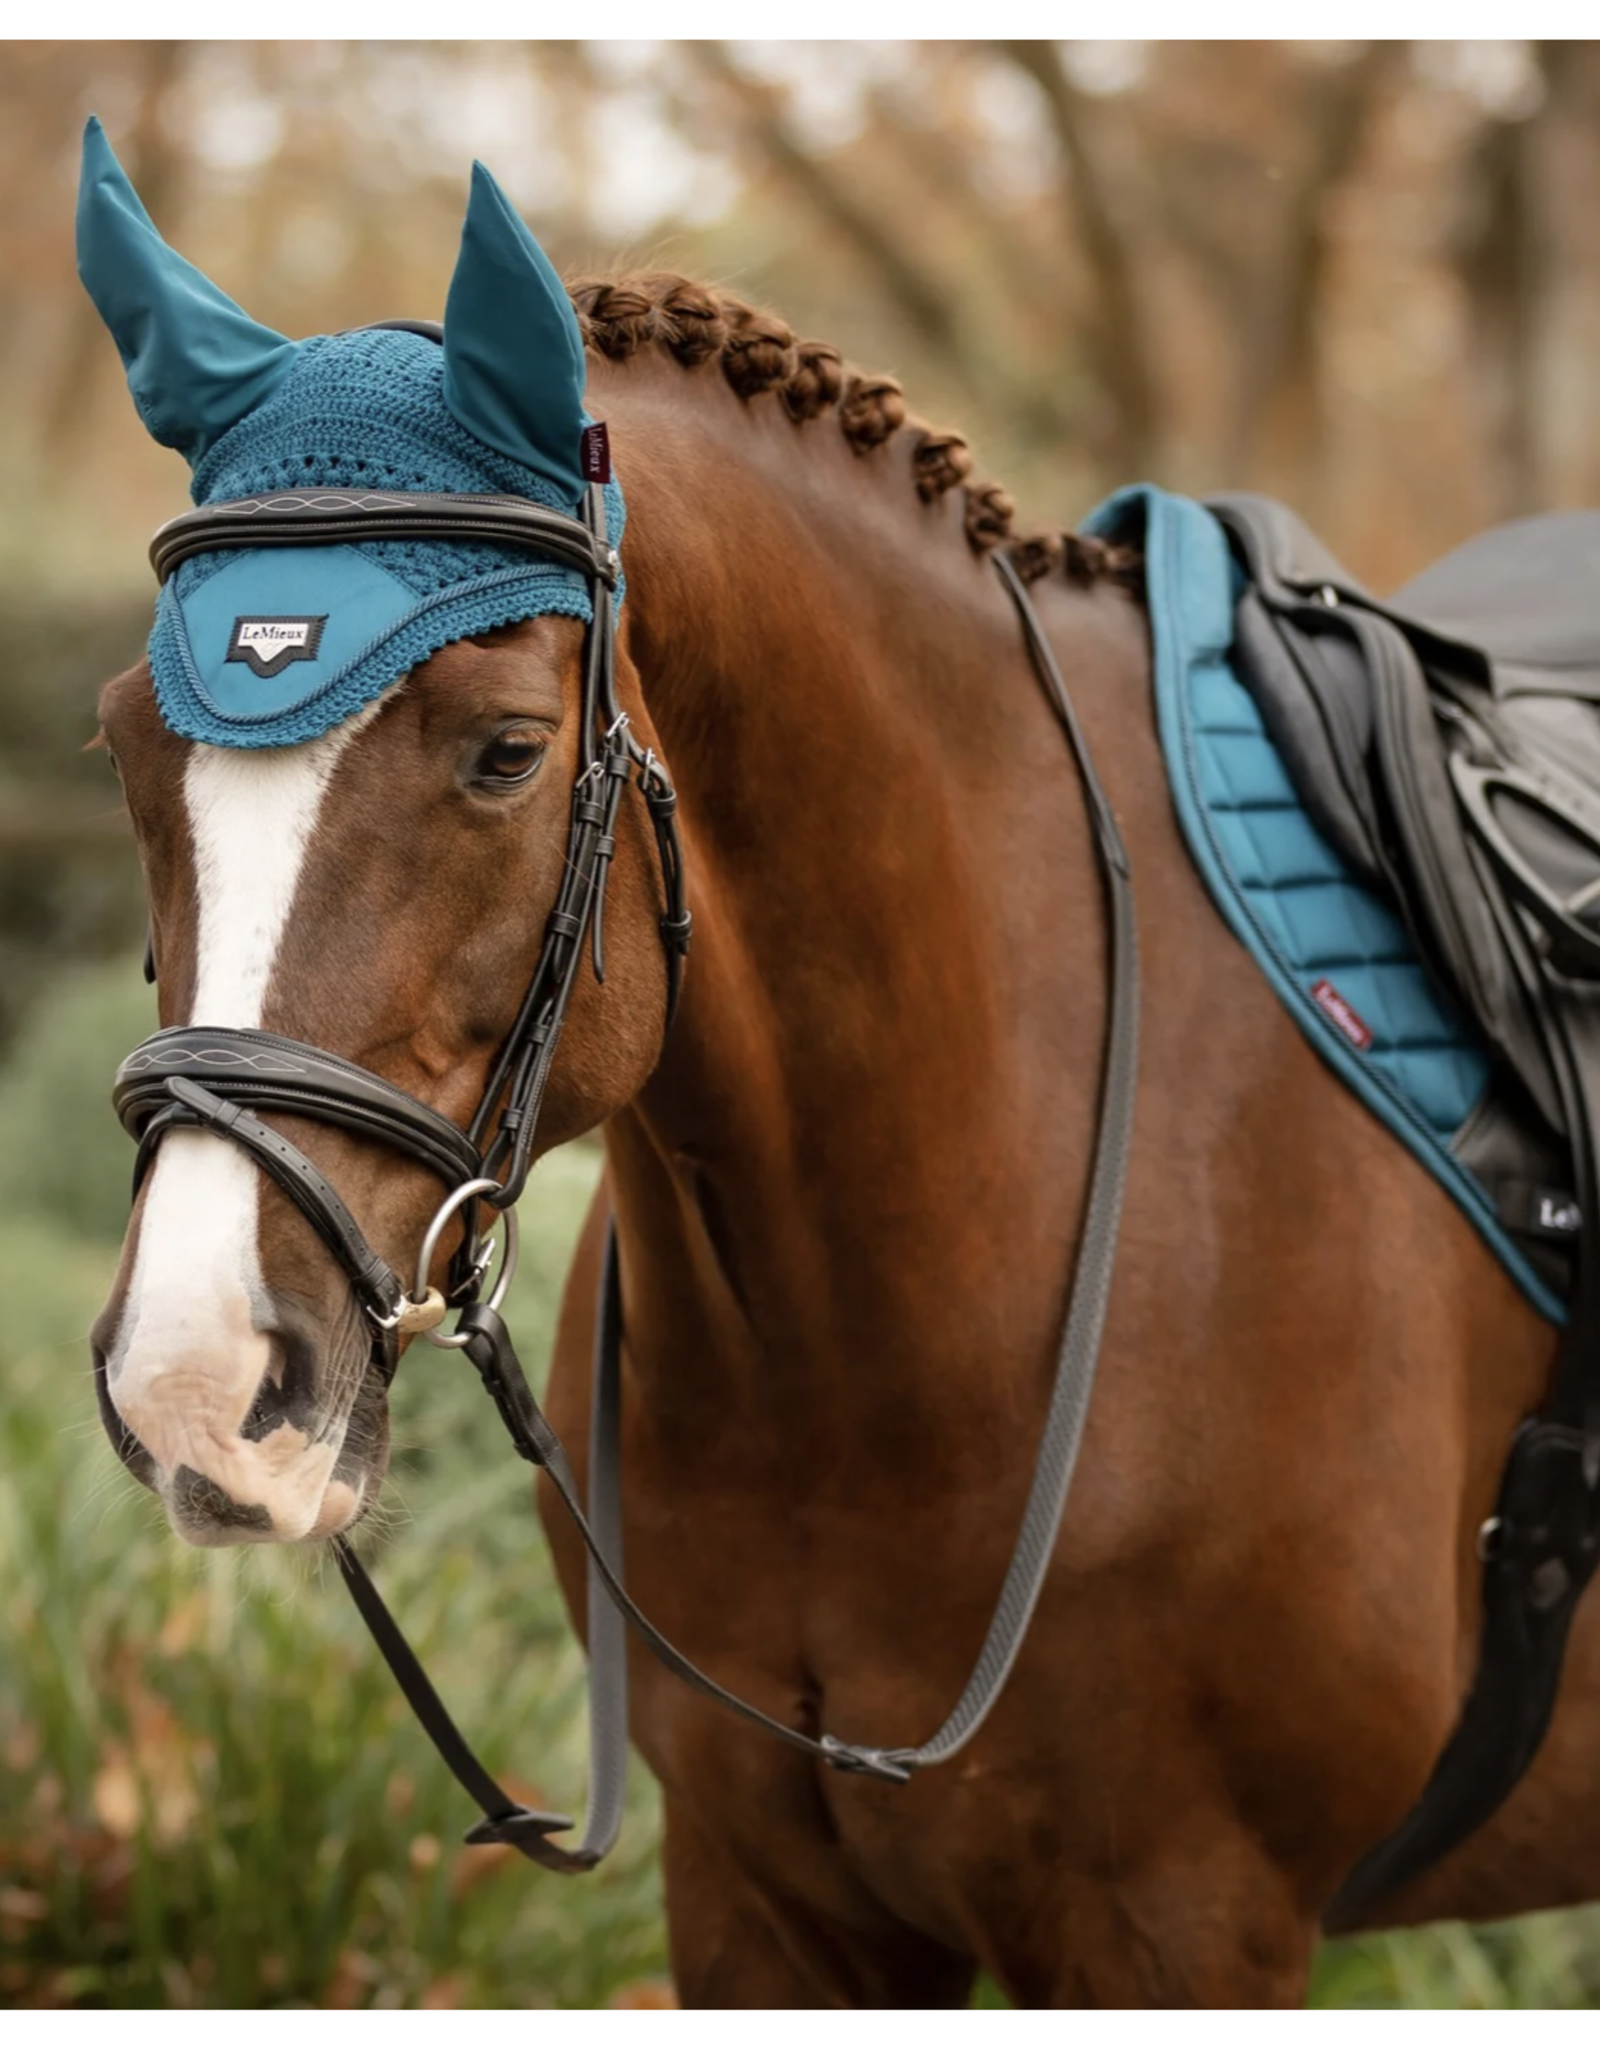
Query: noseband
[218, 1079]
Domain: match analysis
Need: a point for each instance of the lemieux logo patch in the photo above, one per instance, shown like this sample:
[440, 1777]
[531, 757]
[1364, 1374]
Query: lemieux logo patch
[1333, 1005]
[267, 645]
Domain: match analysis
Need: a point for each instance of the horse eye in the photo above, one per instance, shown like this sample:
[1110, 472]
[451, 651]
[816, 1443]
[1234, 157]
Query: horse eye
[510, 757]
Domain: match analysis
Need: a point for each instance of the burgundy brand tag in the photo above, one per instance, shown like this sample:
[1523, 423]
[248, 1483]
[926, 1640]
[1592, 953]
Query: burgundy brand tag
[1329, 1001]
[594, 454]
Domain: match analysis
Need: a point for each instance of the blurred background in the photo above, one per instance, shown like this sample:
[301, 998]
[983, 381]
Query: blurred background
[1365, 277]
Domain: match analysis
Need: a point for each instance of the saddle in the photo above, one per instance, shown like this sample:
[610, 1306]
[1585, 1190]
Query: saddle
[1447, 743]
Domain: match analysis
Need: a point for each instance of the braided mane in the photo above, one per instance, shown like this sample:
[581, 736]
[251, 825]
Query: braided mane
[758, 352]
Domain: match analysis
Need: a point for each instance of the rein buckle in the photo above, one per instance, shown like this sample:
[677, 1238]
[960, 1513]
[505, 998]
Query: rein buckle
[888, 1766]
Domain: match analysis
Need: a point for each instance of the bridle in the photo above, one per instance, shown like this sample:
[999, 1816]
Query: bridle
[218, 1080]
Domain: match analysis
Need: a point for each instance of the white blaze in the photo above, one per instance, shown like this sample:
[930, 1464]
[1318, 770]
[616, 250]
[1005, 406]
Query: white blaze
[189, 1360]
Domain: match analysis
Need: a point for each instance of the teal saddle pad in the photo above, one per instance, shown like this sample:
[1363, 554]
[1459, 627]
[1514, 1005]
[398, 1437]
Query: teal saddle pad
[1339, 958]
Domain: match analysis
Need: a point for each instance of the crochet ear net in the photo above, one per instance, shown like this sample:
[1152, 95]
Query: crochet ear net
[196, 362]
[513, 352]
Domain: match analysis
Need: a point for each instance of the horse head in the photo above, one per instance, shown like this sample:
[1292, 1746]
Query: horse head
[355, 823]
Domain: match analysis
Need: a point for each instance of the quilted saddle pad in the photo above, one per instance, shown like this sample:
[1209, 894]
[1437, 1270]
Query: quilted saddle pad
[1338, 957]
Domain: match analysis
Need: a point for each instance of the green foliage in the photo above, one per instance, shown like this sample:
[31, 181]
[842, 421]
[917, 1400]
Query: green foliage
[53, 660]
[64, 1159]
[211, 1792]
[1545, 1960]
[69, 877]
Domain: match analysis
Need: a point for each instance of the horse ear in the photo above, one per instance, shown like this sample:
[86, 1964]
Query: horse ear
[513, 352]
[196, 362]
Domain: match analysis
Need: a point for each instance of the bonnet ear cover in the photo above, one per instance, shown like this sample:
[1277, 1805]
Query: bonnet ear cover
[196, 362]
[267, 647]
[513, 351]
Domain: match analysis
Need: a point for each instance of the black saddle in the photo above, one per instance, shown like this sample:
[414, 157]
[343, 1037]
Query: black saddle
[1447, 741]
[1527, 596]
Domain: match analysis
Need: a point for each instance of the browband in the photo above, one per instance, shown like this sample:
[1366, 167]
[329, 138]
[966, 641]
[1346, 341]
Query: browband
[297, 519]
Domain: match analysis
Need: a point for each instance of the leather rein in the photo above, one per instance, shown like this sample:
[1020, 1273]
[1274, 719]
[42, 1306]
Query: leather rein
[218, 1079]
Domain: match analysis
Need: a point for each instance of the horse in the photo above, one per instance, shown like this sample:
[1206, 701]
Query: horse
[847, 1189]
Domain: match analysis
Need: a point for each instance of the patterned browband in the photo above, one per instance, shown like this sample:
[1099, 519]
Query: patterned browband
[297, 519]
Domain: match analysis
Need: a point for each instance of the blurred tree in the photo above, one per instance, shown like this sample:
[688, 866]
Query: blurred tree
[1110, 259]
[151, 159]
[69, 877]
[1365, 276]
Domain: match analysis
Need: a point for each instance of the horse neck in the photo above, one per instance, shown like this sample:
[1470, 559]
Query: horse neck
[841, 691]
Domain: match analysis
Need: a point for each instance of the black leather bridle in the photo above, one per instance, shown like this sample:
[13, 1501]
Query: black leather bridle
[219, 1079]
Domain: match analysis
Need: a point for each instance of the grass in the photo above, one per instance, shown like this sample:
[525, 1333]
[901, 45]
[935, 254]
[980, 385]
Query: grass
[211, 1793]
[210, 1790]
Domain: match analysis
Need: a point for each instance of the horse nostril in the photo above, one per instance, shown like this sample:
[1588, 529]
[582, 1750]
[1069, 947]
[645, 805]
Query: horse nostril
[202, 1500]
[287, 1393]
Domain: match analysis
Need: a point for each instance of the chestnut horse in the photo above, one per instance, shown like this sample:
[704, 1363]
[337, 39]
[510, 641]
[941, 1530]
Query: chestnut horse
[847, 1193]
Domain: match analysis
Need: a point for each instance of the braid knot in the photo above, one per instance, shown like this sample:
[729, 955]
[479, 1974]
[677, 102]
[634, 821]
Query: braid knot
[696, 325]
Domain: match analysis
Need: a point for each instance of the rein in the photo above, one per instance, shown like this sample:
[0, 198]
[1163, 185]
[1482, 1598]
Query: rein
[218, 1078]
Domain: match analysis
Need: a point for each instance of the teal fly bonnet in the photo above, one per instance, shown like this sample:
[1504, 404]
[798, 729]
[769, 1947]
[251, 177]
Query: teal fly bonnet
[261, 647]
